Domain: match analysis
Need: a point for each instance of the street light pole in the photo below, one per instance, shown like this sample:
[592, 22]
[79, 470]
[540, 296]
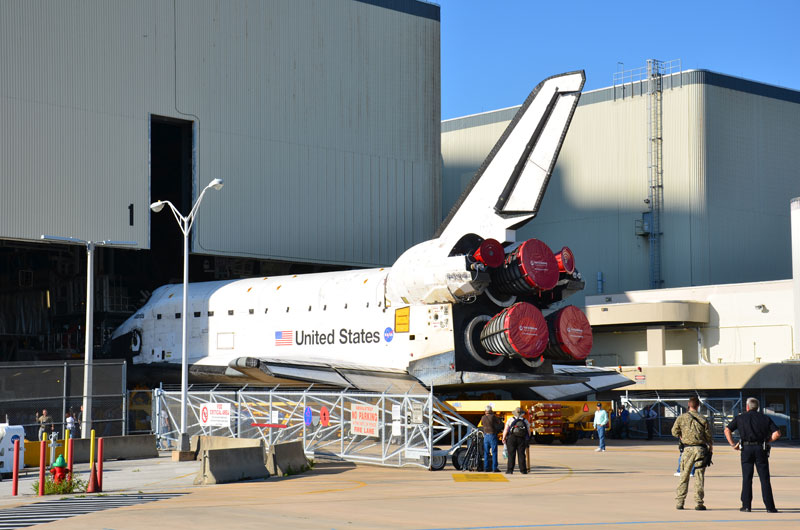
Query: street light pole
[185, 223]
[86, 416]
[86, 413]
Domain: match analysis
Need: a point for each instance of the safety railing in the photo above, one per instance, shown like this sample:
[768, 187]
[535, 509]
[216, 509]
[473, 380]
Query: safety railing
[384, 429]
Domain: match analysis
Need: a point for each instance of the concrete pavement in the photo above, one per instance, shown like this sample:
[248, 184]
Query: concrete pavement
[630, 485]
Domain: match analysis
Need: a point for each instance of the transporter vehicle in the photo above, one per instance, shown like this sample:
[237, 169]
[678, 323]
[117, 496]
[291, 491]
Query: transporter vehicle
[550, 420]
[461, 310]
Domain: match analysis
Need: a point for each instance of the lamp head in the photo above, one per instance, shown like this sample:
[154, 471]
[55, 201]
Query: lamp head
[216, 184]
[157, 206]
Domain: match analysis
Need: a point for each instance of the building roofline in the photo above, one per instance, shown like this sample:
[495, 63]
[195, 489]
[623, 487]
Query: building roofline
[420, 8]
[635, 89]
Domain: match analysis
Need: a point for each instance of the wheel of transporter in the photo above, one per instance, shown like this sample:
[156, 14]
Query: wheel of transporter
[458, 458]
[438, 462]
[569, 438]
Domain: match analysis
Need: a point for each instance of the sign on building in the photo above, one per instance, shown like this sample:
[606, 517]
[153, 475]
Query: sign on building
[364, 420]
[215, 414]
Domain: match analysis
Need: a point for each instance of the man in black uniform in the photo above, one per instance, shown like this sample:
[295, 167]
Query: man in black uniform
[756, 431]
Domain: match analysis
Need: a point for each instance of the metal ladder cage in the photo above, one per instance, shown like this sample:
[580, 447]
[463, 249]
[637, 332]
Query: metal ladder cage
[409, 430]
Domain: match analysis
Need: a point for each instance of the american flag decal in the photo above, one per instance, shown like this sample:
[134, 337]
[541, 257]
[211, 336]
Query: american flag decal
[283, 338]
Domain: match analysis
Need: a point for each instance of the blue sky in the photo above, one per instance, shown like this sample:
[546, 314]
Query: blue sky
[495, 51]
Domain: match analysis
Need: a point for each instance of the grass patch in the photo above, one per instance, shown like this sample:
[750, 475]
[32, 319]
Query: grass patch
[69, 485]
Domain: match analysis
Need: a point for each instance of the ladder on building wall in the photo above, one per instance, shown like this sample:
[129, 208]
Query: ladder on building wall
[655, 171]
[650, 81]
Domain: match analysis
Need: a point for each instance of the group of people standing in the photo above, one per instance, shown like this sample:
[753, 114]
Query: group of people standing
[47, 426]
[515, 436]
[756, 431]
[692, 430]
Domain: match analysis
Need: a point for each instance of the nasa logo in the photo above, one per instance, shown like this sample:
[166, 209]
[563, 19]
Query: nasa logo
[388, 334]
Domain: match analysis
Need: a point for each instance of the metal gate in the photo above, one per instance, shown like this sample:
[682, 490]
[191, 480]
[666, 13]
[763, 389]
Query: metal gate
[719, 410]
[383, 429]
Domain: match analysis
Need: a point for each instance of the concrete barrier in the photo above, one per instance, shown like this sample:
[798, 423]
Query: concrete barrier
[231, 465]
[287, 459]
[200, 444]
[131, 447]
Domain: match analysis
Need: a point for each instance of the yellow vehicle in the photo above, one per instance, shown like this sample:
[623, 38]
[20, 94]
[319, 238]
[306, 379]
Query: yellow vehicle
[550, 420]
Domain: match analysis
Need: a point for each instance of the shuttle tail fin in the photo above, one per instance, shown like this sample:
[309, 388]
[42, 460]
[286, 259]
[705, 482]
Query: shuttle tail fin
[507, 190]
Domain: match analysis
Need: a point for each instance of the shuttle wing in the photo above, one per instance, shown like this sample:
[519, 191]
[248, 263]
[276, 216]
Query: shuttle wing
[340, 375]
[507, 190]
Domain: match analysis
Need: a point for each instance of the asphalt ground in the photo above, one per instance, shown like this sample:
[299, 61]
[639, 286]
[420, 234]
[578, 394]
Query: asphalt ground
[630, 485]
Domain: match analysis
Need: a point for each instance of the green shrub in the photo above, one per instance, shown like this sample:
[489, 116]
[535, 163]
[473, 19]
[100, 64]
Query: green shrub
[69, 485]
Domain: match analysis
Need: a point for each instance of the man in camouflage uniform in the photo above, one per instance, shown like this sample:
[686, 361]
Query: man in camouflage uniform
[694, 432]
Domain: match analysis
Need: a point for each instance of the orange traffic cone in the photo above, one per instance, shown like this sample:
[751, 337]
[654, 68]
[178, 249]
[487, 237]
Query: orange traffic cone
[94, 486]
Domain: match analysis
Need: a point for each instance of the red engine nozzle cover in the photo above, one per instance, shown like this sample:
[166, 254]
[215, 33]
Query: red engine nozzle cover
[571, 334]
[490, 253]
[538, 264]
[517, 330]
[566, 260]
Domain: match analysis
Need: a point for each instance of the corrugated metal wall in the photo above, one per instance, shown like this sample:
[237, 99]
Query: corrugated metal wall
[322, 116]
[729, 175]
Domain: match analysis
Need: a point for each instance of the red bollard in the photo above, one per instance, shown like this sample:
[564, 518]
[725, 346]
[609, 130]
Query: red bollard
[15, 483]
[100, 464]
[71, 456]
[42, 449]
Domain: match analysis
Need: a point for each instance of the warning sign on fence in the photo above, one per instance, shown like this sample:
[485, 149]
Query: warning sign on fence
[364, 419]
[215, 414]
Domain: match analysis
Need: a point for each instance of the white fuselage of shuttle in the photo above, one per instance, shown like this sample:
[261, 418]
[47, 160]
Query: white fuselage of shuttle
[325, 317]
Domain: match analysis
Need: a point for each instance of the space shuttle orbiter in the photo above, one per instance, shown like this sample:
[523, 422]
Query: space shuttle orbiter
[459, 310]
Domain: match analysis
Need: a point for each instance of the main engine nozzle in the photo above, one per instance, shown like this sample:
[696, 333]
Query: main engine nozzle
[517, 331]
[570, 335]
[530, 268]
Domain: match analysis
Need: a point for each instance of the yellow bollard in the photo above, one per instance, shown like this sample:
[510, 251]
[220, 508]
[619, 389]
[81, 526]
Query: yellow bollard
[66, 445]
[91, 453]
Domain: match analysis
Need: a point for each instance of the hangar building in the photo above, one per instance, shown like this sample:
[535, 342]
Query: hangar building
[322, 117]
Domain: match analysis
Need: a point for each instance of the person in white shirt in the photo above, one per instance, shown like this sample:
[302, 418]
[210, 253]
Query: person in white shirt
[601, 423]
[70, 421]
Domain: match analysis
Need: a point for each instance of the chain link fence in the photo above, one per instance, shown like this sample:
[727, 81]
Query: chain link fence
[29, 390]
[720, 410]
